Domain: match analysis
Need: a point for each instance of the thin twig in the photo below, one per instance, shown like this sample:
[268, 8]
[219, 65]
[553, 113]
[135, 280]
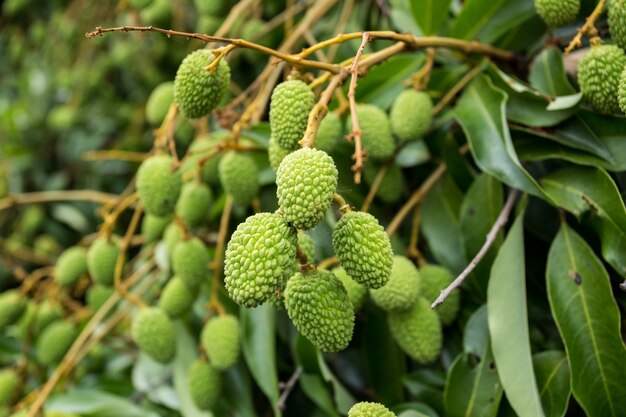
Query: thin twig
[218, 262]
[289, 385]
[491, 237]
[63, 195]
[114, 155]
[587, 27]
[375, 186]
[456, 88]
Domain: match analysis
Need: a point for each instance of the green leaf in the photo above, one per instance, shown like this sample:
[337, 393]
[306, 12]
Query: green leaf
[258, 344]
[547, 74]
[430, 14]
[472, 387]
[512, 14]
[440, 215]
[553, 381]
[480, 209]
[151, 377]
[508, 324]
[238, 391]
[426, 386]
[92, 403]
[588, 320]
[474, 15]
[342, 396]
[613, 244]
[315, 388]
[480, 111]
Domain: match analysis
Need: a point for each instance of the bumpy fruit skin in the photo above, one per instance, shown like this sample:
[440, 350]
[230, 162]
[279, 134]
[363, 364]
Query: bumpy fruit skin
[393, 184]
[71, 265]
[159, 102]
[204, 384]
[152, 227]
[176, 298]
[319, 307]
[239, 176]
[617, 22]
[621, 91]
[172, 236]
[276, 154]
[158, 186]
[306, 181]
[599, 73]
[557, 12]
[9, 381]
[191, 262]
[194, 203]
[292, 101]
[329, 133]
[97, 296]
[259, 258]
[55, 340]
[376, 134]
[356, 292]
[307, 246]
[402, 289]
[101, 258]
[201, 148]
[367, 409]
[410, 115]
[363, 248]
[12, 306]
[417, 331]
[220, 340]
[434, 279]
[154, 333]
[197, 91]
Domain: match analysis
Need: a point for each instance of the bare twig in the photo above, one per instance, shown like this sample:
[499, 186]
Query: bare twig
[50, 196]
[587, 28]
[491, 237]
[289, 385]
[375, 186]
[218, 262]
[441, 104]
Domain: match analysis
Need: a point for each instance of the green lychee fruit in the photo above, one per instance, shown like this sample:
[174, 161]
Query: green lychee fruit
[392, 186]
[101, 259]
[329, 133]
[376, 134]
[367, 409]
[194, 203]
[402, 289]
[154, 334]
[259, 258]
[158, 185]
[201, 148]
[220, 340]
[319, 307]
[159, 102]
[71, 265]
[621, 91]
[176, 298]
[276, 154]
[417, 331]
[291, 103]
[191, 262]
[55, 341]
[356, 292]
[599, 72]
[617, 22]
[363, 248]
[239, 177]
[12, 306]
[306, 182]
[47, 312]
[410, 115]
[197, 91]
[152, 227]
[557, 12]
[205, 385]
[172, 236]
[307, 246]
[97, 295]
[9, 381]
[434, 279]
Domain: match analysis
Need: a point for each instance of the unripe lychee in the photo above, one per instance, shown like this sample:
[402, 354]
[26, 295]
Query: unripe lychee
[194, 203]
[47, 312]
[599, 73]
[196, 90]
[220, 340]
[557, 12]
[204, 383]
[191, 262]
[367, 409]
[319, 307]
[363, 248]
[158, 186]
[392, 187]
[417, 331]
[292, 101]
[12, 306]
[159, 102]
[276, 154]
[239, 177]
[259, 258]
[152, 227]
[356, 292]
[154, 334]
[329, 132]
[402, 289]
[621, 91]
[71, 265]
[172, 236]
[97, 295]
[101, 259]
[201, 148]
[9, 381]
[306, 181]
[376, 134]
[617, 22]
[176, 298]
[410, 115]
[54, 342]
[434, 279]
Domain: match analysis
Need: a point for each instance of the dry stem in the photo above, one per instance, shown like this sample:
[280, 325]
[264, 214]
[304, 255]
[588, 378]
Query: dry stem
[587, 28]
[50, 196]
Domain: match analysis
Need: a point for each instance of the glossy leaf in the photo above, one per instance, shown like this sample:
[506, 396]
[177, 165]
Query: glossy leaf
[613, 244]
[474, 15]
[92, 403]
[508, 324]
[553, 377]
[512, 14]
[316, 389]
[588, 320]
[547, 73]
[430, 14]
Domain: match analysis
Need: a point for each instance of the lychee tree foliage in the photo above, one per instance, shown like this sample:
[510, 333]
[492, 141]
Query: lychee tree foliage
[253, 215]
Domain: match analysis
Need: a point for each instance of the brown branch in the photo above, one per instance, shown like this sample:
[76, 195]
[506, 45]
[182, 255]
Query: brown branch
[121, 259]
[491, 237]
[51, 196]
[587, 28]
[218, 263]
[114, 154]
[375, 186]
[288, 387]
